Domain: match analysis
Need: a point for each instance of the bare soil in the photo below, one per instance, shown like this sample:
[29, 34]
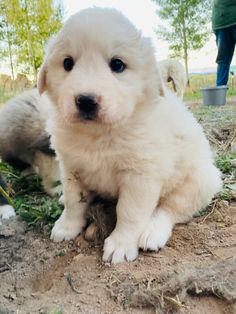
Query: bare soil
[195, 273]
[197, 265]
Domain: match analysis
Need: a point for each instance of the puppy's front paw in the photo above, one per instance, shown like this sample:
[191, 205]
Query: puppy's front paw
[118, 249]
[7, 211]
[66, 229]
[157, 233]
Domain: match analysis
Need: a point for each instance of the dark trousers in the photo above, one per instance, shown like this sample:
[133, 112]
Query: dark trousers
[225, 40]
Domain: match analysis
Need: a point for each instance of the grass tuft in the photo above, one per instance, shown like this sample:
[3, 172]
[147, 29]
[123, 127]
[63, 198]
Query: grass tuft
[30, 201]
[227, 164]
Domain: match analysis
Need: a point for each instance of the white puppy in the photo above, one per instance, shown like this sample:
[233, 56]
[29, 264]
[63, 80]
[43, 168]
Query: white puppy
[116, 133]
[173, 71]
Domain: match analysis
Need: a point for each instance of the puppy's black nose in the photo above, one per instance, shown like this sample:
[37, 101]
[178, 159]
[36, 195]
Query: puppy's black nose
[87, 106]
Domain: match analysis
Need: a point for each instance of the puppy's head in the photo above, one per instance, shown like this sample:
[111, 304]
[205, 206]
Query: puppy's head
[99, 69]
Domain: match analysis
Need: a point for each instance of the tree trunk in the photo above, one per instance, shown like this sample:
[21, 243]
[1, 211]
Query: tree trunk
[185, 46]
[9, 47]
[186, 65]
[10, 56]
[29, 42]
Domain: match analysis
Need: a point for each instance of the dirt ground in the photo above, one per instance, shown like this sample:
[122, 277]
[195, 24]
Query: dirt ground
[194, 274]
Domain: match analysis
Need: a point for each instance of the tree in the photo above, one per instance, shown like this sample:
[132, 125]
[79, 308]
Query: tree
[188, 26]
[7, 36]
[31, 23]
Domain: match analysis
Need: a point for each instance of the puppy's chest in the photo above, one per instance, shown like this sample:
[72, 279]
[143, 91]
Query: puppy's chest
[97, 171]
[100, 165]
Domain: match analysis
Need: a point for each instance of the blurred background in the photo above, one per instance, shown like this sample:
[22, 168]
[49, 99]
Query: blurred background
[179, 31]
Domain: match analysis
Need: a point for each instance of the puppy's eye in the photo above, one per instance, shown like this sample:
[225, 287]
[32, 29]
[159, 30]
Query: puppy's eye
[68, 64]
[117, 65]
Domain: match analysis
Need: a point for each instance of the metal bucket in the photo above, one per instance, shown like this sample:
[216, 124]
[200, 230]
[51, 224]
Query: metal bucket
[214, 96]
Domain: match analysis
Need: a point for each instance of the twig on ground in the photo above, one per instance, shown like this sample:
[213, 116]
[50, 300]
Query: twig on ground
[228, 143]
[214, 202]
[70, 283]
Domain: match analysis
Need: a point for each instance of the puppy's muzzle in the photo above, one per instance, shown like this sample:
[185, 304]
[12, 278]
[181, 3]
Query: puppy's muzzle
[87, 106]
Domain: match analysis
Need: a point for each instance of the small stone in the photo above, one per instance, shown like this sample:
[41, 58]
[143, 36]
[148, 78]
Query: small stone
[6, 231]
[90, 232]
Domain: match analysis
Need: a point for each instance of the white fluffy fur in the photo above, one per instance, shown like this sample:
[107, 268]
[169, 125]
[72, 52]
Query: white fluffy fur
[7, 211]
[144, 147]
[173, 71]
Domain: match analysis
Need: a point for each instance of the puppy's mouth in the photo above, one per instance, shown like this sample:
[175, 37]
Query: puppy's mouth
[87, 117]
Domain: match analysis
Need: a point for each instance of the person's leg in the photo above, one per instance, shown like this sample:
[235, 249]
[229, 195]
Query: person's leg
[225, 43]
[233, 30]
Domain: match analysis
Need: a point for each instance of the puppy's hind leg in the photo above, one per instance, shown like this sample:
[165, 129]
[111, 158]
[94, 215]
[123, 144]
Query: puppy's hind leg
[194, 194]
[47, 168]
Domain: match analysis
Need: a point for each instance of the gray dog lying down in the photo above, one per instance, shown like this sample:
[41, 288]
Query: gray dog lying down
[24, 141]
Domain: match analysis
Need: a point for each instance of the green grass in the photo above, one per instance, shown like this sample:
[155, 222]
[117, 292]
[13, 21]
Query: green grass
[29, 200]
[227, 164]
[215, 116]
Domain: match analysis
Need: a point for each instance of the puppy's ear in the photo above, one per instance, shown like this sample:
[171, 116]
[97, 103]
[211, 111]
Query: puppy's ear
[42, 79]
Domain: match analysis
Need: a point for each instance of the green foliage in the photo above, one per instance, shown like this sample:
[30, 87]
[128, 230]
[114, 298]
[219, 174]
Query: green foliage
[7, 35]
[227, 163]
[228, 192]
[25, 26]
[37, 210]
[188, 25]
[29, 200]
